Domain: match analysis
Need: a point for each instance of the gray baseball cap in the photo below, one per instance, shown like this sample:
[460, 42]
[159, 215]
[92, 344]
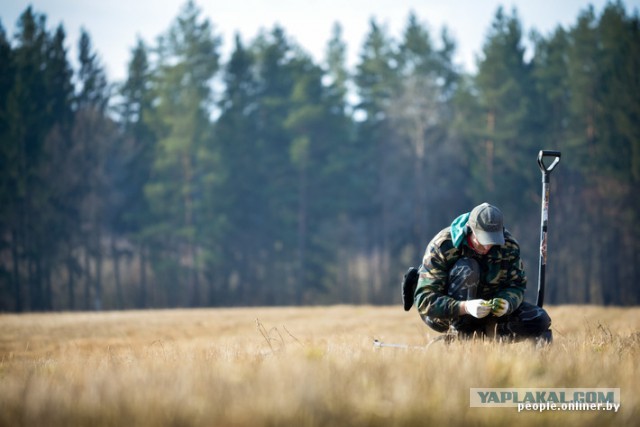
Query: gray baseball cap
[487, 224]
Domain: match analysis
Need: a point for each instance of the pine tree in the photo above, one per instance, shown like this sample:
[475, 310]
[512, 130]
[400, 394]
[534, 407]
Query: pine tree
[276, 247]
[28, 125]
[339, 235]
[10, 297]
[377, 81]
[59, 168]
[184, 160]
[505, 87]
[315, 129]
[336, 53]
[420, 117]
[244, 201]
[134, 160]
[94, 137]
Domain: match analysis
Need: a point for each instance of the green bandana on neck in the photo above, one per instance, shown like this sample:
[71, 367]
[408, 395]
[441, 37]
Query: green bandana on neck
[458, 229]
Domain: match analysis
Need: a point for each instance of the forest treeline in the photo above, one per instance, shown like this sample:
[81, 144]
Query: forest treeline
[267, 178]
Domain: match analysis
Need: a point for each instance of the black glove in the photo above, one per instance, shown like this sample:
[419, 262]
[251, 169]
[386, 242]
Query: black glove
[409, 284]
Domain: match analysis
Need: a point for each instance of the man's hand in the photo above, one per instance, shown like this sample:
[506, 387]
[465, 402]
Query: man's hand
[478, 308]
[499, 306]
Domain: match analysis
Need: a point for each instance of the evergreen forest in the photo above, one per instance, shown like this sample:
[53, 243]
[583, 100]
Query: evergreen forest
[265, 177]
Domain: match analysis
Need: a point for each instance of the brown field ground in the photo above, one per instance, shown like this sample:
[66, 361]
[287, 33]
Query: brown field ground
[307, 366]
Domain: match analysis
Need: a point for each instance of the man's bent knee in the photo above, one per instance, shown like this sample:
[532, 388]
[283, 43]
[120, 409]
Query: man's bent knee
[464, 278]
[528, 321]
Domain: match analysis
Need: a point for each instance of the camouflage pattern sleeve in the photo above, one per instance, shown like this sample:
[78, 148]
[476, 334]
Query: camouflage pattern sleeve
[516, 279]
[431, 297]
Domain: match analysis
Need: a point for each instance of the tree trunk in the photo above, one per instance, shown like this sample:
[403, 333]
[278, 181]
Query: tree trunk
[116, 273]
[71, 281]
[87, 278]
[491, 126]
[299, 285]
[143, 303]
[48, 292]
[17, 288]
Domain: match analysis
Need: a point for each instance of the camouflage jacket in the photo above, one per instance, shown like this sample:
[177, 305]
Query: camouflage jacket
[501, 273]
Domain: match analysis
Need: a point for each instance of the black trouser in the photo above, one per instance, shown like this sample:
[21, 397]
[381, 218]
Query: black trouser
[527, 321]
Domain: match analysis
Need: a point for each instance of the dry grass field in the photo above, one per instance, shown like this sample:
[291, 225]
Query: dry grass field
[309, 366]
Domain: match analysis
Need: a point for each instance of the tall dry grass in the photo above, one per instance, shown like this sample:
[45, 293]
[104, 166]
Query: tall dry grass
[298, 366]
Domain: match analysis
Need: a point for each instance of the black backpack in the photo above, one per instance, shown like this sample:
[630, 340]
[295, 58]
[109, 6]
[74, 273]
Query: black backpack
[409, 283]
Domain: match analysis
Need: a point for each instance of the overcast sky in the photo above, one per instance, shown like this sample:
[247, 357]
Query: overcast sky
[114, 25]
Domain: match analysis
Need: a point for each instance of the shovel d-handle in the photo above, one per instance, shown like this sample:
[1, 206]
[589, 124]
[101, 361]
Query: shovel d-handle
[548, 153]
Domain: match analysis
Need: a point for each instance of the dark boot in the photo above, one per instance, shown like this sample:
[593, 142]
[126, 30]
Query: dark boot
[544, 339]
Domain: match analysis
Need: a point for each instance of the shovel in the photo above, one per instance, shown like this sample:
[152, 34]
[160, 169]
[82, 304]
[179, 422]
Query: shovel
[546, 172]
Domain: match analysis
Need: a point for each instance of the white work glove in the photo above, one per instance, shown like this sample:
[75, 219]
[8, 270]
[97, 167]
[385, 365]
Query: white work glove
[499, 306]
[478, 308]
